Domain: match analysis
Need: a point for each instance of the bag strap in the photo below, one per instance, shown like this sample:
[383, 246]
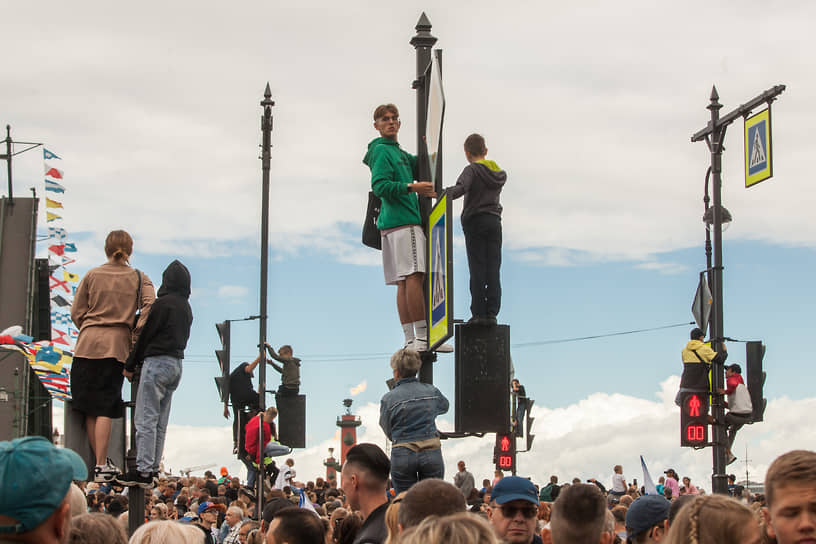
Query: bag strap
[694, 351]
[138, 292]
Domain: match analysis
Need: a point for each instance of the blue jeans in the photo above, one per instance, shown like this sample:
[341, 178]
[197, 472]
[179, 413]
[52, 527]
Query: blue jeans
[273, 449]
[408, 467]
[161, 375]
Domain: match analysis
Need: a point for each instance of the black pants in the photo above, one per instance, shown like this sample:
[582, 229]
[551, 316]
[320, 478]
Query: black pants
[734, 423]
[483, 241]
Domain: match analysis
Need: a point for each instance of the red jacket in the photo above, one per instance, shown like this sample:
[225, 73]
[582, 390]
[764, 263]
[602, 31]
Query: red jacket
[251, 437]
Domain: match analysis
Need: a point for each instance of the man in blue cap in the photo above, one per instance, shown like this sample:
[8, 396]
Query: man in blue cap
[513, 510]
[647, 519]
[35, 486]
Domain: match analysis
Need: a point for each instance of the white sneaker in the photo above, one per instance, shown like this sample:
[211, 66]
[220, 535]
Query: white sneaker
[419, 344]
[106, 473]
[444, 348]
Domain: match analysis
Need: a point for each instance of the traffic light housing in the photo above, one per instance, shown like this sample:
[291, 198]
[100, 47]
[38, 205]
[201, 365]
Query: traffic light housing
[694, 419]
[754, 353]
[223, 356]
[528, 426]
[504, 453]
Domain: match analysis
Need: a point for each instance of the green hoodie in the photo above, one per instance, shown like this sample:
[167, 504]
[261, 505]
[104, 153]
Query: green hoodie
[392, 169]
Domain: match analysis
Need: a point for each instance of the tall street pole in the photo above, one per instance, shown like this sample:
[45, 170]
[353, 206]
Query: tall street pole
[714, 135]
[266, 152]
[719, 482]
[423, 41]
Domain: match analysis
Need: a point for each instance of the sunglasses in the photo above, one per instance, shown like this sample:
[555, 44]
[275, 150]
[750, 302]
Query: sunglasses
[528, 512]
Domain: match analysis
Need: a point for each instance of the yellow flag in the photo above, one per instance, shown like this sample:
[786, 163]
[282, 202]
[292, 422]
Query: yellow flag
[52, 203]
[68, 276]
[52, 216]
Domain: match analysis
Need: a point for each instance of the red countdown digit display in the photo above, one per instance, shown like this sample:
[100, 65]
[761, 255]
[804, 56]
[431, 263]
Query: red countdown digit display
[505, 453]
[693, 420]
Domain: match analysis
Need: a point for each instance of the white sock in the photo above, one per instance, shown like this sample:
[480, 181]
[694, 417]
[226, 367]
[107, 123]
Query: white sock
[408, 330]
[421, 329]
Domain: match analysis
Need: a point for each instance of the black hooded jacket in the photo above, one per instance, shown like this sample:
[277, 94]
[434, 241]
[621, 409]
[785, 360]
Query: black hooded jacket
[168, 325]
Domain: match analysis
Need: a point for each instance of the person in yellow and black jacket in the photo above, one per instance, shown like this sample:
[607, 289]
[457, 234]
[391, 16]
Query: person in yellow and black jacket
[697, 359]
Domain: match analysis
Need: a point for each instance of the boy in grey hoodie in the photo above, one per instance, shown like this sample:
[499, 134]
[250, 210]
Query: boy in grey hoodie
[481, 183]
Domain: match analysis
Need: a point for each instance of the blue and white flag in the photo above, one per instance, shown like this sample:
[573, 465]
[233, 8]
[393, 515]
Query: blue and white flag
[648, 484]
[51, 185]
[48, 155]
[58, 233]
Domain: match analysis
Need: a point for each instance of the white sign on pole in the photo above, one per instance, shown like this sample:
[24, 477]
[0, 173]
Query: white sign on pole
[436, 113]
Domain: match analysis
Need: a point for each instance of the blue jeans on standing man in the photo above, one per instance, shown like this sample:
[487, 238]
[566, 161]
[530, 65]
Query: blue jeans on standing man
[160, 376]
[408, 467]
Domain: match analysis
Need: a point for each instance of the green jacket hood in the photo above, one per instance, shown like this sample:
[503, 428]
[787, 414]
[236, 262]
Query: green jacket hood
[374, 143]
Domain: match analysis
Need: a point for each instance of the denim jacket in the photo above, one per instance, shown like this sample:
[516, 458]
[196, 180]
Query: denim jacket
[408, 412]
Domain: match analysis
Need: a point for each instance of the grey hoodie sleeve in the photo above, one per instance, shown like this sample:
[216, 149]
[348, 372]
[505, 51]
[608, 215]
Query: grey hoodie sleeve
[462, 184]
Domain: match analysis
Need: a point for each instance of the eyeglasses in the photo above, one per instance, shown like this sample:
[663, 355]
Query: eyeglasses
[528, 512]
[389, 118]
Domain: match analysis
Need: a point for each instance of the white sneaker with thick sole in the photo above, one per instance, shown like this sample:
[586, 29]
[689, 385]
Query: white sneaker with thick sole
[444, 348]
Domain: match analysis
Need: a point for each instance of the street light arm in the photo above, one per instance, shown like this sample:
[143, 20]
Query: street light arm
[743, 110]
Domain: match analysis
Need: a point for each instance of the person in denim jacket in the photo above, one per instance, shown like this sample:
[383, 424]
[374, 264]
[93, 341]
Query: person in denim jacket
[408, 418]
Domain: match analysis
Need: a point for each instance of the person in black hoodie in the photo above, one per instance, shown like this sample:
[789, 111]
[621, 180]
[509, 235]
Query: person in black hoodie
[159, 350]
[481, 183]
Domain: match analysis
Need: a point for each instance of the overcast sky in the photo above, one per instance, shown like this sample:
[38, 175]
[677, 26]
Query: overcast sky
[589, 106]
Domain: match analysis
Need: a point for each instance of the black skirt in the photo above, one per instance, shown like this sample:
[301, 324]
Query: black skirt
[96, 387]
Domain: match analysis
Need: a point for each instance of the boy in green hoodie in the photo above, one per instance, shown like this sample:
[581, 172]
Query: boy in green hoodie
[393, 171]
[481, 183]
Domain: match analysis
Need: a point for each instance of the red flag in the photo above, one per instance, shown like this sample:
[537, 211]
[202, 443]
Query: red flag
[57, 249]
[54, 173]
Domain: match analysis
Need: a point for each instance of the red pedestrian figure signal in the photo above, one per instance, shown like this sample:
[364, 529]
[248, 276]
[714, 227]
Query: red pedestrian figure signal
[694, 406]
[693, 420]
[504, 453]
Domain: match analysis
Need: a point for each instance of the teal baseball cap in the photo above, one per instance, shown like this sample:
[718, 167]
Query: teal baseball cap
[35, 476]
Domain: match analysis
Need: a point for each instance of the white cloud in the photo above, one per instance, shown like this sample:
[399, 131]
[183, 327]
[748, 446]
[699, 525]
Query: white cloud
[232, 291]
[592, 126]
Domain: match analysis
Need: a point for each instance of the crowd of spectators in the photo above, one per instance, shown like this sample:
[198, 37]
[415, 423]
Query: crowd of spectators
[45, 497]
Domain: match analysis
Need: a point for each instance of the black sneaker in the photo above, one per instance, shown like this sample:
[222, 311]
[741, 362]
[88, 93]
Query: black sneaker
[132, 478]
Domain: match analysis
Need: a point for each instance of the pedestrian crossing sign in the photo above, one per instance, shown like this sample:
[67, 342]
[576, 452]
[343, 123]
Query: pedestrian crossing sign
[758, 159]
[439, 279]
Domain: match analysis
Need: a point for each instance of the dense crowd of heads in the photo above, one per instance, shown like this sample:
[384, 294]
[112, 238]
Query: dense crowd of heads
[508, 509]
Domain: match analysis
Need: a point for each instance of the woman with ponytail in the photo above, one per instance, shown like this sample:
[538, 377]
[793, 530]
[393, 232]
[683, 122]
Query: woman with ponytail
[104, 310]
[714, 518]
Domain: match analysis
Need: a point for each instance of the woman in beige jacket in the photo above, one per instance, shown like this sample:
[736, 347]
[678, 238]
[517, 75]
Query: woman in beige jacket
[104, 309]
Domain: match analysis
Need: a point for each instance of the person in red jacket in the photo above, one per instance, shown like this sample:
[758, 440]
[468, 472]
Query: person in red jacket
[740, 408]
[271, 446]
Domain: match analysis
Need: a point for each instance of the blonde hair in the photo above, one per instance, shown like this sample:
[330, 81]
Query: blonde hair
[796, 467]
[710, 518]
[96, 528]
[461, 528]
[392, 519]
[78, 501]
[158, 532]
[119, 245]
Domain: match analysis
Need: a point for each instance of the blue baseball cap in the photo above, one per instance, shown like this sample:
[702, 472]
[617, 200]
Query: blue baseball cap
[513, 488]
[204, 506]
[646, 512]
[36, 476]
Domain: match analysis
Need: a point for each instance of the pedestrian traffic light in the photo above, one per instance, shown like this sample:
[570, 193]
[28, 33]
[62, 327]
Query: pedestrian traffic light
[223, 356]
[529, 423]
[694, 419]
[754, 353]
[504, 453]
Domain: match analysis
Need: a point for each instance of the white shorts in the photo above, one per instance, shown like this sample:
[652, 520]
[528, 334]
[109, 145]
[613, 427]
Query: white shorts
[403, 253]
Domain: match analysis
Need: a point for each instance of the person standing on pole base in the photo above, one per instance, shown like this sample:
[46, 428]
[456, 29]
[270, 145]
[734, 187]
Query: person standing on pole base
[393, 171]
[697, 359]
[159, 352]
[481, 183]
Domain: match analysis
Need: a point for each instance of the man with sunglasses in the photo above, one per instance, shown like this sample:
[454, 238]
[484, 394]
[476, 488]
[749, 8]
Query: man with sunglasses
[513, 510]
